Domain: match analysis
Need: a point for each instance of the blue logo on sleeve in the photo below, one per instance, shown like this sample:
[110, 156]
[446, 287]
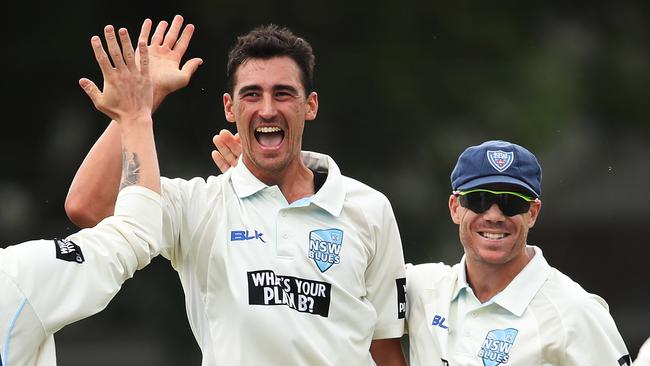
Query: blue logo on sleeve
[496, 346]
[325, 247]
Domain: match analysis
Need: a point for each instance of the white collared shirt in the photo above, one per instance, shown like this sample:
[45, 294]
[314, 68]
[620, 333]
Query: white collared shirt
[47, 284]
[269, 283]
[541, 318]
[643, 358]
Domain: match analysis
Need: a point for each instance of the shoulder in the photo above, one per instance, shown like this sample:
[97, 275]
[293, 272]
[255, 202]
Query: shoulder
[424, 275]
[578, 310]
[567, 294]
[361, 193]
[193, 186]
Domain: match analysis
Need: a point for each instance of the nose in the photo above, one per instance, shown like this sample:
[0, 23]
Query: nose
[494, 214]
[268, 110]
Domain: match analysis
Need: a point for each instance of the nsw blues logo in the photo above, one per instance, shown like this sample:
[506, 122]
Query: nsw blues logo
[325, 247]
[500, 160]
[496, 346]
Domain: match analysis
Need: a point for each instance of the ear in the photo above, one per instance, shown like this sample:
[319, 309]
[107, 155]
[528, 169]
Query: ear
[535, 208]
[227, 107]
[454, 208]
[312, 106]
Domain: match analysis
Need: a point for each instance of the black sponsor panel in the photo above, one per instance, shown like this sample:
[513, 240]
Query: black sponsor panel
[401, 297]
[303, 295]
[623, 361]
[68, 251]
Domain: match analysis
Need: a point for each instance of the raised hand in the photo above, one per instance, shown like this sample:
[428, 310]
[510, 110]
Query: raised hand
[165, 53]
[127, 91]
[228, 150]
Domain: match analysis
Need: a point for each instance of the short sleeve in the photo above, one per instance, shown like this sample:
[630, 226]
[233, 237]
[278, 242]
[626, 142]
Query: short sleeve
[385, 276]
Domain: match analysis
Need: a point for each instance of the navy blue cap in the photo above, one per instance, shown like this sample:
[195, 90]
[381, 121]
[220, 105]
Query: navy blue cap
[497, 162]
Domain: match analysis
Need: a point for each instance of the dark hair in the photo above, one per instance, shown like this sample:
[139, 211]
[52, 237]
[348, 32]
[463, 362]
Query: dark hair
[270, 41]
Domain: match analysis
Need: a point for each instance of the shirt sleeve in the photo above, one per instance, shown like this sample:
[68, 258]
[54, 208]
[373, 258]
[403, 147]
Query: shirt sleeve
[65, 280]
[385, 276]
[593, 338]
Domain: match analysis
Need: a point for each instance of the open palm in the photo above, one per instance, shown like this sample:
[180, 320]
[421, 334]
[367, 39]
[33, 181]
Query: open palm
[165, 53]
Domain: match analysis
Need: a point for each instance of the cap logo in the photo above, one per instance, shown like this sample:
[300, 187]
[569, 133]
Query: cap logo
[500, 160]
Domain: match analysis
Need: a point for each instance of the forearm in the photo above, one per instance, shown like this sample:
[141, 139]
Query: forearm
[387, 352]
[139, 159]
[94, 189]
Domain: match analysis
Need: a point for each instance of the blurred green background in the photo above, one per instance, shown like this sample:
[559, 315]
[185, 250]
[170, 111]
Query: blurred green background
[404, 87]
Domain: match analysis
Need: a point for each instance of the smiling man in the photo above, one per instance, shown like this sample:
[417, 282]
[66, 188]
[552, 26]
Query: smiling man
[503, 303]
[283, 260]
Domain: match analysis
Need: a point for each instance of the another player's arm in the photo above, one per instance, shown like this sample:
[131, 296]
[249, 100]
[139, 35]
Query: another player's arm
[94, 189]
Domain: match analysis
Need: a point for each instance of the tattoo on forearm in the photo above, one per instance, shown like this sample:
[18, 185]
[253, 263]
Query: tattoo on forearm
[130, 169]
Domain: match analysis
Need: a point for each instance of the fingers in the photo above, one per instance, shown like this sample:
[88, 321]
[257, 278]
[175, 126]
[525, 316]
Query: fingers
[113, 48]
[235, 145]
[91, 90]
[172, 34]
[144, 58]
[100, 55]
[229, 148]
[221, 163]
[127, 48]
[144, 31]
[159, 34]
[184, 41]
[190, 67]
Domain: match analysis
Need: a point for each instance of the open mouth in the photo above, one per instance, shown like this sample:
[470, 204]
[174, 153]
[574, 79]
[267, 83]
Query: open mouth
[269, 136]
[493, 236]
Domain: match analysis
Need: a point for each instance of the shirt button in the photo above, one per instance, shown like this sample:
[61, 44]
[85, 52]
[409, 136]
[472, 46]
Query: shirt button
[285, 236]
[283, 214]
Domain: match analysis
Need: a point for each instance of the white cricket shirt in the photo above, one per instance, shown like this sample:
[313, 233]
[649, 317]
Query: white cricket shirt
[643, 358]
[47, 284]
[541, 318]
[268, 283]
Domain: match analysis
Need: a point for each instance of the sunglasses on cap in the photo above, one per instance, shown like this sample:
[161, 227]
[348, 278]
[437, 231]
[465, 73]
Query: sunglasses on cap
[480, 200]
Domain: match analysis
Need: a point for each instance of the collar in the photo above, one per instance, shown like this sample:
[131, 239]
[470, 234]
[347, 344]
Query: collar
[520, 291]
[329, 197]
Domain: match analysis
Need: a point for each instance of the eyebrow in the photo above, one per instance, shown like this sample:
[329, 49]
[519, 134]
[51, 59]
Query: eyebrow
[254, 87]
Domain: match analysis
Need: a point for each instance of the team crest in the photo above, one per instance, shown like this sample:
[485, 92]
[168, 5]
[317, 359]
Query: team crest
[325, 247]
[496, 347]
[500, 160]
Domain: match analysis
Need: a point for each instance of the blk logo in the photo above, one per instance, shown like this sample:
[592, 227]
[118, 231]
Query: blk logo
[439, 321]
[244, 235]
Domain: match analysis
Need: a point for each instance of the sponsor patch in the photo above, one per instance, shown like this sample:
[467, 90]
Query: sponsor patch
[401, 297]
[68, 251]
[245, 235]
[500, 160]
[497, 345]
[325, 247]
[302, 295]
[623, 361]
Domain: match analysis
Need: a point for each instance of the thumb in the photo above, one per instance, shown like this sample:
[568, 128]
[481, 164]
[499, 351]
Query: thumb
[190, 67]
[91, 90]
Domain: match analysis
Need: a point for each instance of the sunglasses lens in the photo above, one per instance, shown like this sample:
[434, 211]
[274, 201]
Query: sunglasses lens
[512, 205]
[481, 201]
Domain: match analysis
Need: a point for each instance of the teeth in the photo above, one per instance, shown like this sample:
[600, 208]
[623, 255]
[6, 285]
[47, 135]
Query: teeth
[493, 236]
[268, 129]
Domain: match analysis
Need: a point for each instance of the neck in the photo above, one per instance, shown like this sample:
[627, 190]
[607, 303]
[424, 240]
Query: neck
[488, 279]
[295, 180]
